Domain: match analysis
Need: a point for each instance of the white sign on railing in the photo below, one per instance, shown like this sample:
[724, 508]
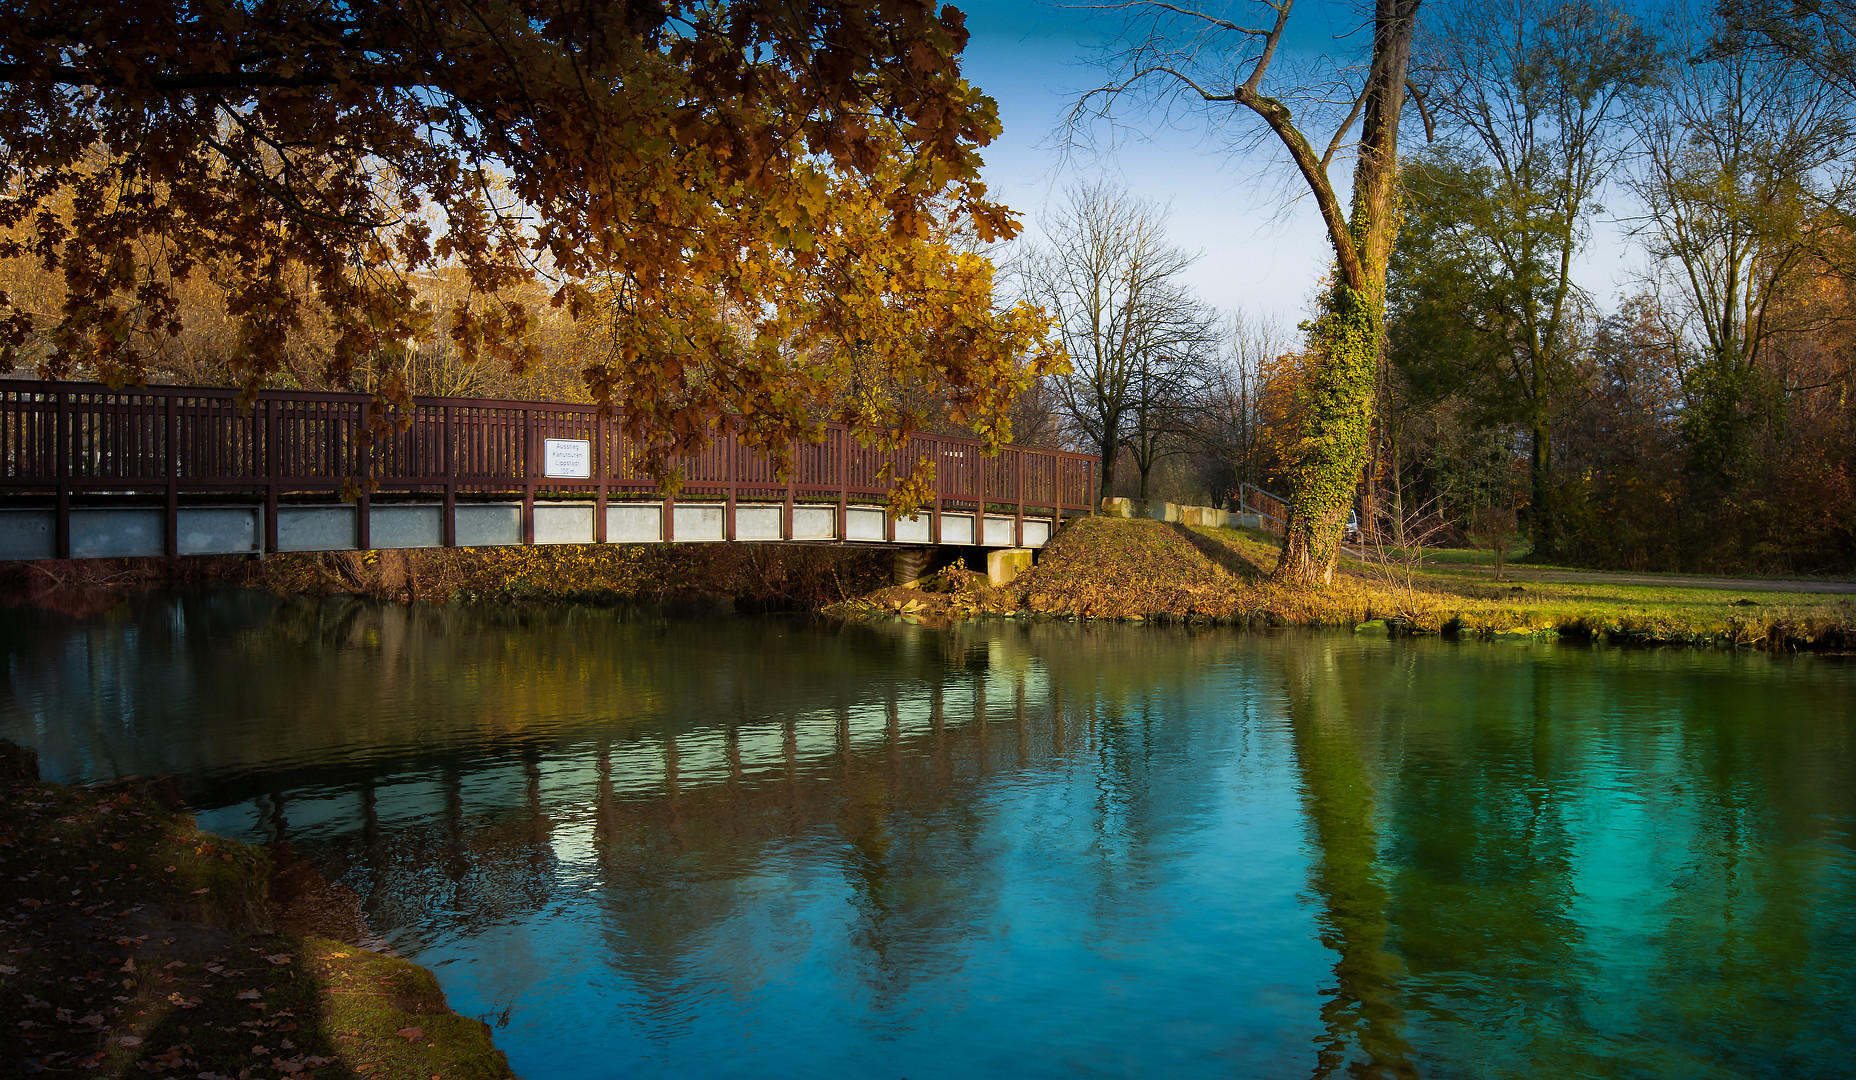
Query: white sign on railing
[567, 459]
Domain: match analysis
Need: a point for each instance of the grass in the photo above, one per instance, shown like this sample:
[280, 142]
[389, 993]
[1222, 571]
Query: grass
[133, 944]
[1102, 568]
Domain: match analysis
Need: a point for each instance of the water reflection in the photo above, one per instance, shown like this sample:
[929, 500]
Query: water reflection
[769, 846]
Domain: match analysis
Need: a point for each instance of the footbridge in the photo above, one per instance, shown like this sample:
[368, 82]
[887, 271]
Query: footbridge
[91, 472]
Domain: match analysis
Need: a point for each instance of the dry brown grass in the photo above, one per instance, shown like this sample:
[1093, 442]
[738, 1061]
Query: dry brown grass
[1100, 568]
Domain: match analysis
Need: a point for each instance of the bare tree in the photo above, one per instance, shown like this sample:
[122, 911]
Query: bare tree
[1107, 275]
[1168, 385]
[1179, 53]
[1227, 417]
[1743, 173]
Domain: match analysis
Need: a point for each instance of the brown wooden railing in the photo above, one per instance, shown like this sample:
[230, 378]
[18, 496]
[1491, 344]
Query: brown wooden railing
[83, 440]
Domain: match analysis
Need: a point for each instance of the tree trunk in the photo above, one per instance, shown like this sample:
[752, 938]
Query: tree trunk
[1540, 523]
[1108, 473]
[1337, 413]
[1337, 401]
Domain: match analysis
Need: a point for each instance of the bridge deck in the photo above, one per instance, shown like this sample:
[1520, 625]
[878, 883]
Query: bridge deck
[86, 471]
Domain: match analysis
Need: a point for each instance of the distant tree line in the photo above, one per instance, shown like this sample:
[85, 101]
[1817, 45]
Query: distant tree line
[1702, 417]
[1698, 415]
[1163, 386]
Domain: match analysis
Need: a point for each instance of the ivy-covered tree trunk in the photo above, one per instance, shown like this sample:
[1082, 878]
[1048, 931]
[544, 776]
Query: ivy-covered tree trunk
[1337, 416]
[1338, 398]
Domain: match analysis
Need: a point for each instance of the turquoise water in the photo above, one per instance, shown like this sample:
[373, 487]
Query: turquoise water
[773, 847]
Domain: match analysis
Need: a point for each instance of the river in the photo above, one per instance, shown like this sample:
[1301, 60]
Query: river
[771, 846]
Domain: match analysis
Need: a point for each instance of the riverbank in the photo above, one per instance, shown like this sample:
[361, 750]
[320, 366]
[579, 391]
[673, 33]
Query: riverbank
[133, 943]
[702, 577]
[1102, 568]
[1095, 568]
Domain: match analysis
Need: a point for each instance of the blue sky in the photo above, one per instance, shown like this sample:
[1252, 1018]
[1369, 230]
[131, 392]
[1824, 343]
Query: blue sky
[1258, 254]
[1033, 59]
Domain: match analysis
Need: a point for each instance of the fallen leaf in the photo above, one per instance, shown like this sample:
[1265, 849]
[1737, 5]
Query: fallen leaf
[411, 1034]
[249, 995]
[280, 958]
[127, 1040]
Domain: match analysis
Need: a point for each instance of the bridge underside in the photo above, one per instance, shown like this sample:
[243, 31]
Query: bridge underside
[128, 531]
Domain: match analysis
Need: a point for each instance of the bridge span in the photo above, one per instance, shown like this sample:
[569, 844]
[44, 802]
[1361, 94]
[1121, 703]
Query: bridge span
[91, 472]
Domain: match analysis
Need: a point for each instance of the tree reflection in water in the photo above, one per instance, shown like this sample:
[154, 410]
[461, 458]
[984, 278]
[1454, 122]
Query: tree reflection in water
[1044, 849]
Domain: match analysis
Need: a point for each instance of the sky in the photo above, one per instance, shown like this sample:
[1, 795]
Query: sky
[1262, 249]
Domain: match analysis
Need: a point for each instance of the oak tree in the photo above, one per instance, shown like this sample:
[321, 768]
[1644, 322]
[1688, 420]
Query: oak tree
[752, 200]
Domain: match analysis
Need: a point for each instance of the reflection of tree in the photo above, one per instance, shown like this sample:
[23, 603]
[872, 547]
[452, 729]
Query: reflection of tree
[1752, 938]
[1362, 1012]
[1483, 864]
[1508, 846]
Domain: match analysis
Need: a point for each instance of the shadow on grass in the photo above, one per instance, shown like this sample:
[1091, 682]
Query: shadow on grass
[1225, 556]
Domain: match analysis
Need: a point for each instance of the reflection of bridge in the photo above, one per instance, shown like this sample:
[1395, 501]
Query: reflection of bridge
[739, 768]
[90, 472]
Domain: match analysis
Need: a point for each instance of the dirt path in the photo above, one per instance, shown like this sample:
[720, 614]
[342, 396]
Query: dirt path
[1680, 581]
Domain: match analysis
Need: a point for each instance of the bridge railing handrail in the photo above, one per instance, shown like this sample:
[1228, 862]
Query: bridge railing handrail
[69, 438]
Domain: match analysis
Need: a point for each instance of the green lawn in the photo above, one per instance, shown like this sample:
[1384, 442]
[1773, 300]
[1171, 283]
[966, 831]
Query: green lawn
[1452, 587]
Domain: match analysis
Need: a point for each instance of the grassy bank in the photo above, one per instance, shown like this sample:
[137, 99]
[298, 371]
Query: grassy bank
[133, 944]
[1096, 568]
[1100, 568]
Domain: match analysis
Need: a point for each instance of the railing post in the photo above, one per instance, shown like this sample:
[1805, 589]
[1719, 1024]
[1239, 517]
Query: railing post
[844, 481]
[1018, 483]
[733, 450]
[61, 458]
[271, 477]
[889, 520]
[792, 478]
[600, 473]
[940, 482]
[528, 474]
[448, 522]
[364, 505]
[170, 459]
